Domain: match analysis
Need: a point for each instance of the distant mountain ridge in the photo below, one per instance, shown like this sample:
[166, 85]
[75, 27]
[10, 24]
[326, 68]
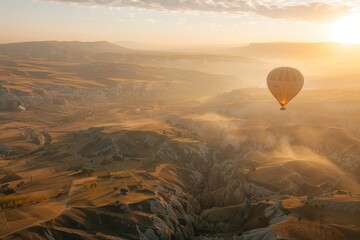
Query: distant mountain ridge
[294, 49]
[58, 50]
[76, 51]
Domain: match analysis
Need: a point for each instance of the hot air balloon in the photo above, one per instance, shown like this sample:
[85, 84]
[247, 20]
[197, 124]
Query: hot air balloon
[285, 83]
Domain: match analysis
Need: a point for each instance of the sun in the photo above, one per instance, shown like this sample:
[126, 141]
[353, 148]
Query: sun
[347, 29]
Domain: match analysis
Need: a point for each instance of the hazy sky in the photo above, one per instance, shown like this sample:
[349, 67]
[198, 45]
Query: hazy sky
[173, 22]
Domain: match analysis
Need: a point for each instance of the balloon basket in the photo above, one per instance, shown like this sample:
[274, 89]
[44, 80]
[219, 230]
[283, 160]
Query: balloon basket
[282, 109]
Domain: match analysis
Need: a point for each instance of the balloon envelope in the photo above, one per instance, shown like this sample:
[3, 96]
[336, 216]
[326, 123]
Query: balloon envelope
[285, 83]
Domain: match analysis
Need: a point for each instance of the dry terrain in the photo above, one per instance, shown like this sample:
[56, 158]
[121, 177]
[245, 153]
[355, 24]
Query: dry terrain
[98, 141]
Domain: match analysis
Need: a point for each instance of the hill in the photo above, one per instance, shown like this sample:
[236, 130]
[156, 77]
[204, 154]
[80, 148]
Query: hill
[58, 51]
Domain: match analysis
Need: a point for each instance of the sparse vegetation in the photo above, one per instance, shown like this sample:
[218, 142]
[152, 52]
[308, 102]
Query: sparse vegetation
[18, 201]
[313, 230]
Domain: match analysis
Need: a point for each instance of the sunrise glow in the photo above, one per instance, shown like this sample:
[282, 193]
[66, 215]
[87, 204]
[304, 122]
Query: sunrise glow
[347, 29]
